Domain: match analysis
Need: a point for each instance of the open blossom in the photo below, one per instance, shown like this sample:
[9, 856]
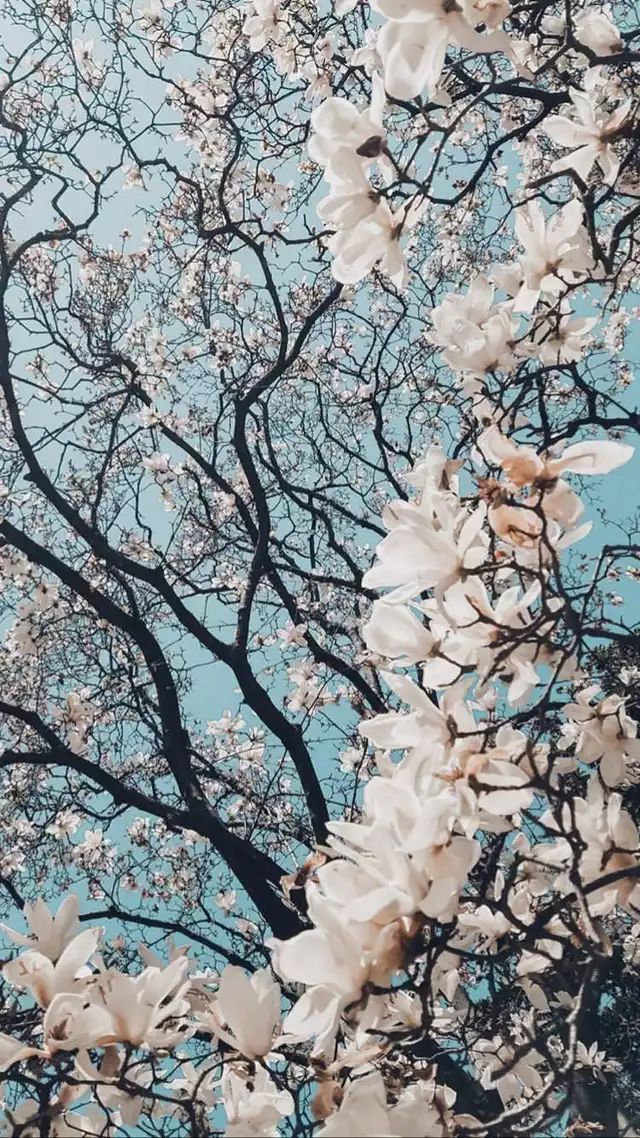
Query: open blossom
[610, 845]
[480, 626]
[394, 631]
[411, 860]
[522, 525]
[429, 729]
[254, 1106]
[510, 1073]
[594, 28]
[65, 823]
[556, 251]
[588, 135]
[421, 1110]
[139, 1010]
[245, 1011]
[334, 960]
[476, 334]
[264, 24]
[49, 935]
[413, 42]
[349, 203]
[375, 240]
[560, 338]
[604, 733]
[36, 972]
[429, 545]
[346, 140]
[128, 1104]
[524, 466]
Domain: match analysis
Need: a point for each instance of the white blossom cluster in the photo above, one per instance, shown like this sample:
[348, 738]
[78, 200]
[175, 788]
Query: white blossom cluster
[472, 629]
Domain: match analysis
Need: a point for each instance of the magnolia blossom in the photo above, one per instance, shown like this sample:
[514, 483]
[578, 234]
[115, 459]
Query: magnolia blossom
[603, 733]
[522, 525]
[143, 1010]
[423, 1110]
[430, 728]
[49, 934]
[588, 136]
[413, 42]
[512, 1075]
[476, 335]
[394, 631]
[610, 845]
[478, 627]
[128, 1105]
[556, 251]
[559, 338]
[245, 1011]
[346, 140]
[335, 959]
[349, 203]
[374, 240]
[264, 24]
[254, 1106]
[429, 545]
[36, 972]
[594, 28]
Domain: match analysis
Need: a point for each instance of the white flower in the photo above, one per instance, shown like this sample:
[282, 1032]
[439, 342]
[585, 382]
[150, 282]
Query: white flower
[428, 546]
[49, 935]
[45, 979]
[595, 29]
[606, 734]
[253, 1107]
[264, 24]
[413, 43]
[560, 339]
[610, 845]
[292, 634]
[589, 138]
[427, 728]
[477, 335]
[556, 251]
[147, 1009]
[338, 956]
[245, 1011]
[64, 824]
[510, 1074]
[407, 860]
[419, 1111]
[95, 849]
[393, 631]
[374, 240]
[346, 140]
[523, 465]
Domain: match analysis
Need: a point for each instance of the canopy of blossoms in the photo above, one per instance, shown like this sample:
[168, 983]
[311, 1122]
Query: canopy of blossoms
[364, 1021]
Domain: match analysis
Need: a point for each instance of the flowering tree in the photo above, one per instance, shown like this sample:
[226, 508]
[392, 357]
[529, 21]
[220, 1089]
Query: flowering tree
[279, 286]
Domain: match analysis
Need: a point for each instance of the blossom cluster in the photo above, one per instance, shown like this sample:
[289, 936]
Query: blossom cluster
[490, 847]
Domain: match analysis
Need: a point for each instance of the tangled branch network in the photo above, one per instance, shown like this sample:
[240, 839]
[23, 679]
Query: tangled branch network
[436, 927]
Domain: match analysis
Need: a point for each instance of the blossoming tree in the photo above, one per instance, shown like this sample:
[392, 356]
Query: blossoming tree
[319, 761]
